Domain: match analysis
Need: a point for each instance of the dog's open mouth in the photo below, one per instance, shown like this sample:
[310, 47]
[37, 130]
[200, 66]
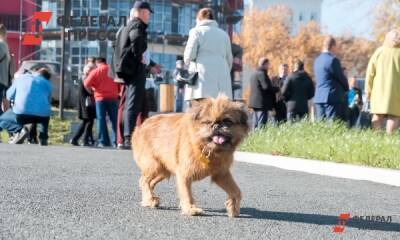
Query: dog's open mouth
[220, 139]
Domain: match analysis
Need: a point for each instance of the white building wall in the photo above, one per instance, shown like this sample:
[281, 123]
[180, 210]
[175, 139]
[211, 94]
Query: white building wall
[303, 10]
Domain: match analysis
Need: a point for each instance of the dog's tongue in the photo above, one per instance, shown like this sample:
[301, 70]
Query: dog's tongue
[218, 139]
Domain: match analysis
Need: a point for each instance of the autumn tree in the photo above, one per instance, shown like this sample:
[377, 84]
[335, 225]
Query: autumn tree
[387, 17]
[354, 54]
[267, 34]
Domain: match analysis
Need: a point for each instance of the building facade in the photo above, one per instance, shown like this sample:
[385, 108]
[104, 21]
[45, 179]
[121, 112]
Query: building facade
[303, 11]
[168, 28]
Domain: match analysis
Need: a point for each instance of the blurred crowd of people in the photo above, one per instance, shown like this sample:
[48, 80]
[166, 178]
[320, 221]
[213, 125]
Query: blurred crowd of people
[116, 93]
[335, 96]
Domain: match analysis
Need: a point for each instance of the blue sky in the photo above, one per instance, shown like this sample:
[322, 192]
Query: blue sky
[348, 16]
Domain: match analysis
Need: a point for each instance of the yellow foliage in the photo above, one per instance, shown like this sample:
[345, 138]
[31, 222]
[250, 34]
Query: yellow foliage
[267, 34]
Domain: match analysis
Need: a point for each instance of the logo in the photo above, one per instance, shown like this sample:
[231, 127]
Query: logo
[32, 38]
[78, 28]
[340, 226]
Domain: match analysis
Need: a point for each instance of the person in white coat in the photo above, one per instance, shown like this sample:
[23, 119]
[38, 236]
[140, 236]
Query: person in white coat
[208, 51]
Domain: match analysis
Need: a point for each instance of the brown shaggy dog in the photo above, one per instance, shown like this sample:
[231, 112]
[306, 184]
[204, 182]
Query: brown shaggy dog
[191, 146]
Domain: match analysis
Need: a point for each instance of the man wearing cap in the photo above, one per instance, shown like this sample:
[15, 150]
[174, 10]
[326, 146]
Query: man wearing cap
[130, 46]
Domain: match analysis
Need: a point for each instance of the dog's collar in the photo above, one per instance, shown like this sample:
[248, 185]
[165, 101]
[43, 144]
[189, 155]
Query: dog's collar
[205, 156]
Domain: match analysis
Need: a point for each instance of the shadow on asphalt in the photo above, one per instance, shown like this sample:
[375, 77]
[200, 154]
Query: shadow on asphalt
[315, 219]
[253, 213]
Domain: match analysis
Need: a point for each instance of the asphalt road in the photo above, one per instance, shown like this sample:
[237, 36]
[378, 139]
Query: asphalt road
[83, 193]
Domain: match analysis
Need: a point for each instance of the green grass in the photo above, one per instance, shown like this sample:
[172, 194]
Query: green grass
[328, 142]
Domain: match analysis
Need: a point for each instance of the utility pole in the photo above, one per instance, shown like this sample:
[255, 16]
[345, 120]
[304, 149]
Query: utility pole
[62, 73]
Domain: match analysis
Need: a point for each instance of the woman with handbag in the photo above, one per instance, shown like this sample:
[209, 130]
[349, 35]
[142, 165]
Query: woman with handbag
[87, 110]
[209, 54]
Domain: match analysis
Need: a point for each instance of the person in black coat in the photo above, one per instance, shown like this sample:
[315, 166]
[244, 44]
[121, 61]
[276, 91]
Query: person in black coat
[262, 94]
[130, 64]
[278, 81]
[86, 110]
[297, 90]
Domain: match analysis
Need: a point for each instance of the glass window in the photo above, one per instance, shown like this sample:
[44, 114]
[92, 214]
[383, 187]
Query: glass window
[93, 51]
[76, 12]
[76, 3]
[75, 60]
[75, 51]
[84, 51]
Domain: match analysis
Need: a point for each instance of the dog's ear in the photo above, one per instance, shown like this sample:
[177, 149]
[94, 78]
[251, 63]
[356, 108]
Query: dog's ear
[197, 107]
[242, 111]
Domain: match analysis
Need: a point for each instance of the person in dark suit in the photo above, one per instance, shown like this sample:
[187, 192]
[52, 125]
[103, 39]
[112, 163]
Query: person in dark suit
[262, 94]
[297, 90]
[278, 81]
[332, 85]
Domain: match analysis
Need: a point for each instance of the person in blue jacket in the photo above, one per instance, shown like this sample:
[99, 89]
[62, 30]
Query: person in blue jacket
[31, 95]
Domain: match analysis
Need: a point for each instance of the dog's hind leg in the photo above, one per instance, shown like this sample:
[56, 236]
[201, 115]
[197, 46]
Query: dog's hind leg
[148, 197]
[226, 182]
[157, 179]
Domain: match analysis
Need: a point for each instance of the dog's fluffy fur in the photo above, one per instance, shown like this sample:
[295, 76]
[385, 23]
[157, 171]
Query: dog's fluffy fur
[178, 144]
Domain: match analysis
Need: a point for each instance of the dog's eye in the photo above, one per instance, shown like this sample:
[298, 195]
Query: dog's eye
[227, 122]
[206, 122]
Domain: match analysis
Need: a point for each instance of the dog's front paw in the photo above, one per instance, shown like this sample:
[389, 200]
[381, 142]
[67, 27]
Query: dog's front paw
[152, 202]
[192, 211]
[232, 207]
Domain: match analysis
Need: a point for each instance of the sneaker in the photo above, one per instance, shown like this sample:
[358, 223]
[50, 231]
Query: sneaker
[100, 145]
[127, 143]
[74, 142]
[20, 137]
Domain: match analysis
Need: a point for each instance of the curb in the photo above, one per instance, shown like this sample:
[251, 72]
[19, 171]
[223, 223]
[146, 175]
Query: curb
[340, 170]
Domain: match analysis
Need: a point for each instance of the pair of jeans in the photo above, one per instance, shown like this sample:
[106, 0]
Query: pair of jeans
[325, 111]
[135, 93]
[85, 129]
[42, 123]
[8, 121]
[179, 100]
[260, 118]
[104, 108]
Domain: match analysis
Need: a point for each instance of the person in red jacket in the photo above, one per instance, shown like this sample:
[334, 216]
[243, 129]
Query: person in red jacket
[106, 97]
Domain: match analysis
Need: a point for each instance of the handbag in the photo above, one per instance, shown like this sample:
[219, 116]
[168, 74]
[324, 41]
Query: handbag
[365, 116]
[189, 78]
